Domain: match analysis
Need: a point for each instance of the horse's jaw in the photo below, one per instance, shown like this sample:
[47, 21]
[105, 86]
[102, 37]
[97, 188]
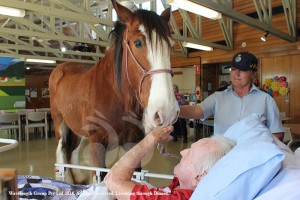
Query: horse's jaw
[161, 110]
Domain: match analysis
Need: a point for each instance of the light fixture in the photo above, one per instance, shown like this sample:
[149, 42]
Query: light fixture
[197, 46]
[195, 8]
[63, 49]
[264, 37]
[12, 11]
[40, 61]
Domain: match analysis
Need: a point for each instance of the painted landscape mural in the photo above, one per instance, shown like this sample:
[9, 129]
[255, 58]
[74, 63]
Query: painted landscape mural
[12, 83]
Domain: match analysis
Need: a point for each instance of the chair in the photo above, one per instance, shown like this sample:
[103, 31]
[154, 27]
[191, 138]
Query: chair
[22, 116]
[288, 138]
[24, 111]
[36, 120]
[48, 110]
[10, 121]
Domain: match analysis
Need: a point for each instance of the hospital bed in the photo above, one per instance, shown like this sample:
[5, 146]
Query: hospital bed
[258, 168]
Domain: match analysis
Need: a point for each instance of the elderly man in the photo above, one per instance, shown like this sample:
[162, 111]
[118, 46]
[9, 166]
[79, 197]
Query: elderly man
[194, 165]
[239, 100]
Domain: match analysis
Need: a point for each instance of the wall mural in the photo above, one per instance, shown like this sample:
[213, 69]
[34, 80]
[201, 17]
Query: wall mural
[12, 83]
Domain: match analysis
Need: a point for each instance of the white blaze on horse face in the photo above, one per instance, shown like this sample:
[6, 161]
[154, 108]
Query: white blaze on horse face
[161, 102]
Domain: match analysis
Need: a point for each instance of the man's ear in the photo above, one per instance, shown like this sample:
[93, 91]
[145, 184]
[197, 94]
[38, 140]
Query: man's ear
[198, 178]
[254, 74]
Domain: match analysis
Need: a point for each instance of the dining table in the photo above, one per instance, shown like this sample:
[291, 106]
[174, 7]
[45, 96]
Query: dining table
[285, 119]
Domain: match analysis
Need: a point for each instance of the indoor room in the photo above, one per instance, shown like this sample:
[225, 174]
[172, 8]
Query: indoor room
[150, 99]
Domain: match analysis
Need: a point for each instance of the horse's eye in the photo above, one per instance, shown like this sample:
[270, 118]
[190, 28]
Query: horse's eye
[138, 44]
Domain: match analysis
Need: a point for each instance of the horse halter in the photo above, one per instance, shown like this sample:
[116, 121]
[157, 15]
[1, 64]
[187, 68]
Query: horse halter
[145, 72]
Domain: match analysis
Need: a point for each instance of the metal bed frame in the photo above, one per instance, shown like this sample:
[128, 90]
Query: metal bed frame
[142, 176]
[11, 144]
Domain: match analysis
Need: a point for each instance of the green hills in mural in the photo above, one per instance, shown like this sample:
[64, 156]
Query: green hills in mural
[12, 83]
[3, 94]
[12, 91]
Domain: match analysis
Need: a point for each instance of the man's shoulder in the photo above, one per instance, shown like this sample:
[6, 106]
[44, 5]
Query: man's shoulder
[263, 92]
[223, 91]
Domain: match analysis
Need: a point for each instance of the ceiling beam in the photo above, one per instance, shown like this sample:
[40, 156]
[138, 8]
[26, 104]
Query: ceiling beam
[49, 50]
[84, 16]
[50, 36]
[79, 60]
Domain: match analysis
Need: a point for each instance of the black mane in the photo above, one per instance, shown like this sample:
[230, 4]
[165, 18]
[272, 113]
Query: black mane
[151, 21]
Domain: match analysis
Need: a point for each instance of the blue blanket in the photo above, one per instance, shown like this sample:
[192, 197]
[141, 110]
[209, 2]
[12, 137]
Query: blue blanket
[42, 188]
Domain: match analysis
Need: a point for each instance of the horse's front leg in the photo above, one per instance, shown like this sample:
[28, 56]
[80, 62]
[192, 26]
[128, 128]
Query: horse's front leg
[97, 152]
[80, 176]
[60, 132]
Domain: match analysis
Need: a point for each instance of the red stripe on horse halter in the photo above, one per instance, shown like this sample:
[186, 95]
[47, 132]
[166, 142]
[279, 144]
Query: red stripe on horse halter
[145, 72]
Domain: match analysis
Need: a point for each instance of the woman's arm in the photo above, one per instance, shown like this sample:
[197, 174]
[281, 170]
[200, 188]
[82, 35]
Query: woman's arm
[191, 112]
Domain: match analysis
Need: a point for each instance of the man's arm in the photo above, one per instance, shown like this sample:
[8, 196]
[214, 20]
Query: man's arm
[118, 180]
[191, 112]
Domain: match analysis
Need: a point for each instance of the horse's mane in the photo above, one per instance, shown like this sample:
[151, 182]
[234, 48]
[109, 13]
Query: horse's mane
[151, 21]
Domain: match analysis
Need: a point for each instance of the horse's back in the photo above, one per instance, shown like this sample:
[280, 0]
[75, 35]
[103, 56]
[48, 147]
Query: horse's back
[67, 69]
[66, 76]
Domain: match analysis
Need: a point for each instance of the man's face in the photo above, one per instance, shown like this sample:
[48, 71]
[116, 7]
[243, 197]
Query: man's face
[241, 78]
[186, 170]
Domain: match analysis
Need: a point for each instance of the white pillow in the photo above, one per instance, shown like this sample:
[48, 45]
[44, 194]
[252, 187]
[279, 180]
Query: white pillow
[247, 168]
[297, 152]
[284, 186]
[290, 159]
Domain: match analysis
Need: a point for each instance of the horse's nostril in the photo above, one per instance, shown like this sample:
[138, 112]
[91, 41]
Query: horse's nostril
[157, 118]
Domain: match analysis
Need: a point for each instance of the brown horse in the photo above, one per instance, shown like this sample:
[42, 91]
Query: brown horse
[106, 102]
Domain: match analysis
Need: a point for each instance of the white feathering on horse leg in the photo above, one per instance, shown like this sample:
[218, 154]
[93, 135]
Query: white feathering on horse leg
[61, 158]
[79, 175]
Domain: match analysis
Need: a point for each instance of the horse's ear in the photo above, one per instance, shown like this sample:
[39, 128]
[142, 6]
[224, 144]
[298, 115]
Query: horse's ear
[166, 14]
[124, 14]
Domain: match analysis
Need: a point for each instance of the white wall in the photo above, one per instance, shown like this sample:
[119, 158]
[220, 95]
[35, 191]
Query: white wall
[186, 81]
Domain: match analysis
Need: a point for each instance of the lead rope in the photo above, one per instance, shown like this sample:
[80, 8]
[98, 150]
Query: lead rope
[162, 150]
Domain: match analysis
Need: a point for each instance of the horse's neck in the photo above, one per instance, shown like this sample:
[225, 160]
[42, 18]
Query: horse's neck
[103, 71]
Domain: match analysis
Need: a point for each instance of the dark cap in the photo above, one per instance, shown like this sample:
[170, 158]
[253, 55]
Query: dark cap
[244, 61]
